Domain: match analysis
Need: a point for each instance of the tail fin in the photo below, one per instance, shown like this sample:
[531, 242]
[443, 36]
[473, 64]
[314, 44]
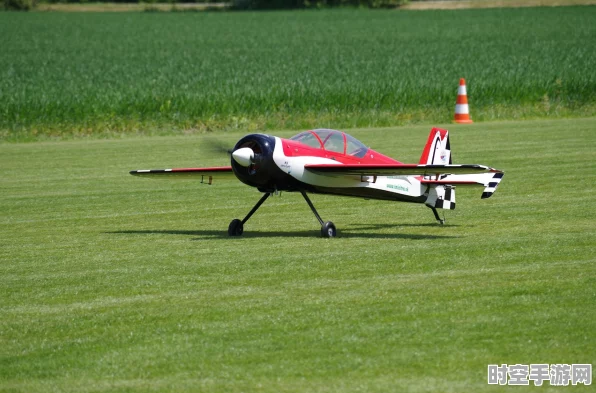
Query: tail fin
[437, 150]
[441, 191]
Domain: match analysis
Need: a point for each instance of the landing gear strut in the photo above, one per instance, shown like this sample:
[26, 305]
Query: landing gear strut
[327, 228]
[236, 227]
[439, 219]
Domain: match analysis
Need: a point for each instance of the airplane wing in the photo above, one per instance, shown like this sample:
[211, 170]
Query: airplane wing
[398, 169]
[205, 174]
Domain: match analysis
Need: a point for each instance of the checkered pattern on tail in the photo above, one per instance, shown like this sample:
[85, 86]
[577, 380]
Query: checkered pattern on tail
[441, 197]
[448, 201]
[492, 185]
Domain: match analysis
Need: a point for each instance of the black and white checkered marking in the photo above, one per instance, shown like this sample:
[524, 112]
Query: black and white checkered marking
[441, 197]
[490, 189]
[448, 201]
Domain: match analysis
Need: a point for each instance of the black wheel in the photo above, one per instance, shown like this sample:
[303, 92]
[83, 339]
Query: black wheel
[328, 230]
[236, 228]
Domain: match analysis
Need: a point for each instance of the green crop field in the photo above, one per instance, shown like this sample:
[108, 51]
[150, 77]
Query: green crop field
[65, 74]
[115, 283]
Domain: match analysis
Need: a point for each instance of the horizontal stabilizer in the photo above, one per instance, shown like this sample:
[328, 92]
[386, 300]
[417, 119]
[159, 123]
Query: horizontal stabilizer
[398, 169]
[492, 185]
[490, 181]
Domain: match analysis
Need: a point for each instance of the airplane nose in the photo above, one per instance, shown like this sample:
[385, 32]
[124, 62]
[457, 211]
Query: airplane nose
[244, 156]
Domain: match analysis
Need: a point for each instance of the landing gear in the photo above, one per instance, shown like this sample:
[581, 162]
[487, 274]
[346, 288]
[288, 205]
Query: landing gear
[236, 227]
[437, 217]
[327, 228]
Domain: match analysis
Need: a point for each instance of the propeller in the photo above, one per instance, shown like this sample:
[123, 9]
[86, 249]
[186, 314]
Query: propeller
[248, 156]
[217, 146]
[244, 156]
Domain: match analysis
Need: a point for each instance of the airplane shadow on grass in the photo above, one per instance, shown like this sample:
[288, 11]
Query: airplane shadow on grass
[347, 232]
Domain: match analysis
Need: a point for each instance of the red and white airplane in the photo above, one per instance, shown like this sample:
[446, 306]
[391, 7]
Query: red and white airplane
[332, 162]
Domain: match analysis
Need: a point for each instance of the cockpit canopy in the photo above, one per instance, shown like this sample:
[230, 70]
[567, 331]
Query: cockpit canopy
[332, 140]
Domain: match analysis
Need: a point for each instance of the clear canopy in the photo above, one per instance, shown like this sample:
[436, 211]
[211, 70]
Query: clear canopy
[332, 140]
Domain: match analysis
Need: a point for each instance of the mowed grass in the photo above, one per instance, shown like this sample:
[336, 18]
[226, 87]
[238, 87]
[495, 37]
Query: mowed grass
[115, 283]
[64, 74]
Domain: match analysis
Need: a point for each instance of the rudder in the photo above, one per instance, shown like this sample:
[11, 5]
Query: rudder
[441, 197]
[437, 150]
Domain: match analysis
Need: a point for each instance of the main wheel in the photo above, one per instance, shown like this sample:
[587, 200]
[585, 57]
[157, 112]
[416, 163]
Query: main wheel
[236, 228]
[328, 230]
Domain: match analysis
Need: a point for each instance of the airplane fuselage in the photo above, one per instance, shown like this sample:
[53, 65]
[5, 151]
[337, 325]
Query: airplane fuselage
[280, 166]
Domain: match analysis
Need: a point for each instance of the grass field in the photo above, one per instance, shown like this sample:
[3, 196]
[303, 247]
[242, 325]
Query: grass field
[65, 74]
[114, 283]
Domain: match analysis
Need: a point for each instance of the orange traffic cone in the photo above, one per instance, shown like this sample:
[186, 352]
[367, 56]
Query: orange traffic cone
[462, 111]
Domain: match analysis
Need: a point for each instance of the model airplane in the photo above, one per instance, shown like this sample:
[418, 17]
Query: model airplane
[332, 162]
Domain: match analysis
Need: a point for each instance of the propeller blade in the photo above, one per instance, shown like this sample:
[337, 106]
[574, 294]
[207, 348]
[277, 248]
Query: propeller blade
[217, 146]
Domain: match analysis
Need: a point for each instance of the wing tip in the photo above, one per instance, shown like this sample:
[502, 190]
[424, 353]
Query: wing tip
[141, 171]
[491, 187]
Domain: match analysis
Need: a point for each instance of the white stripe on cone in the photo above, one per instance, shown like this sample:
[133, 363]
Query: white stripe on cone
[462, 109]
